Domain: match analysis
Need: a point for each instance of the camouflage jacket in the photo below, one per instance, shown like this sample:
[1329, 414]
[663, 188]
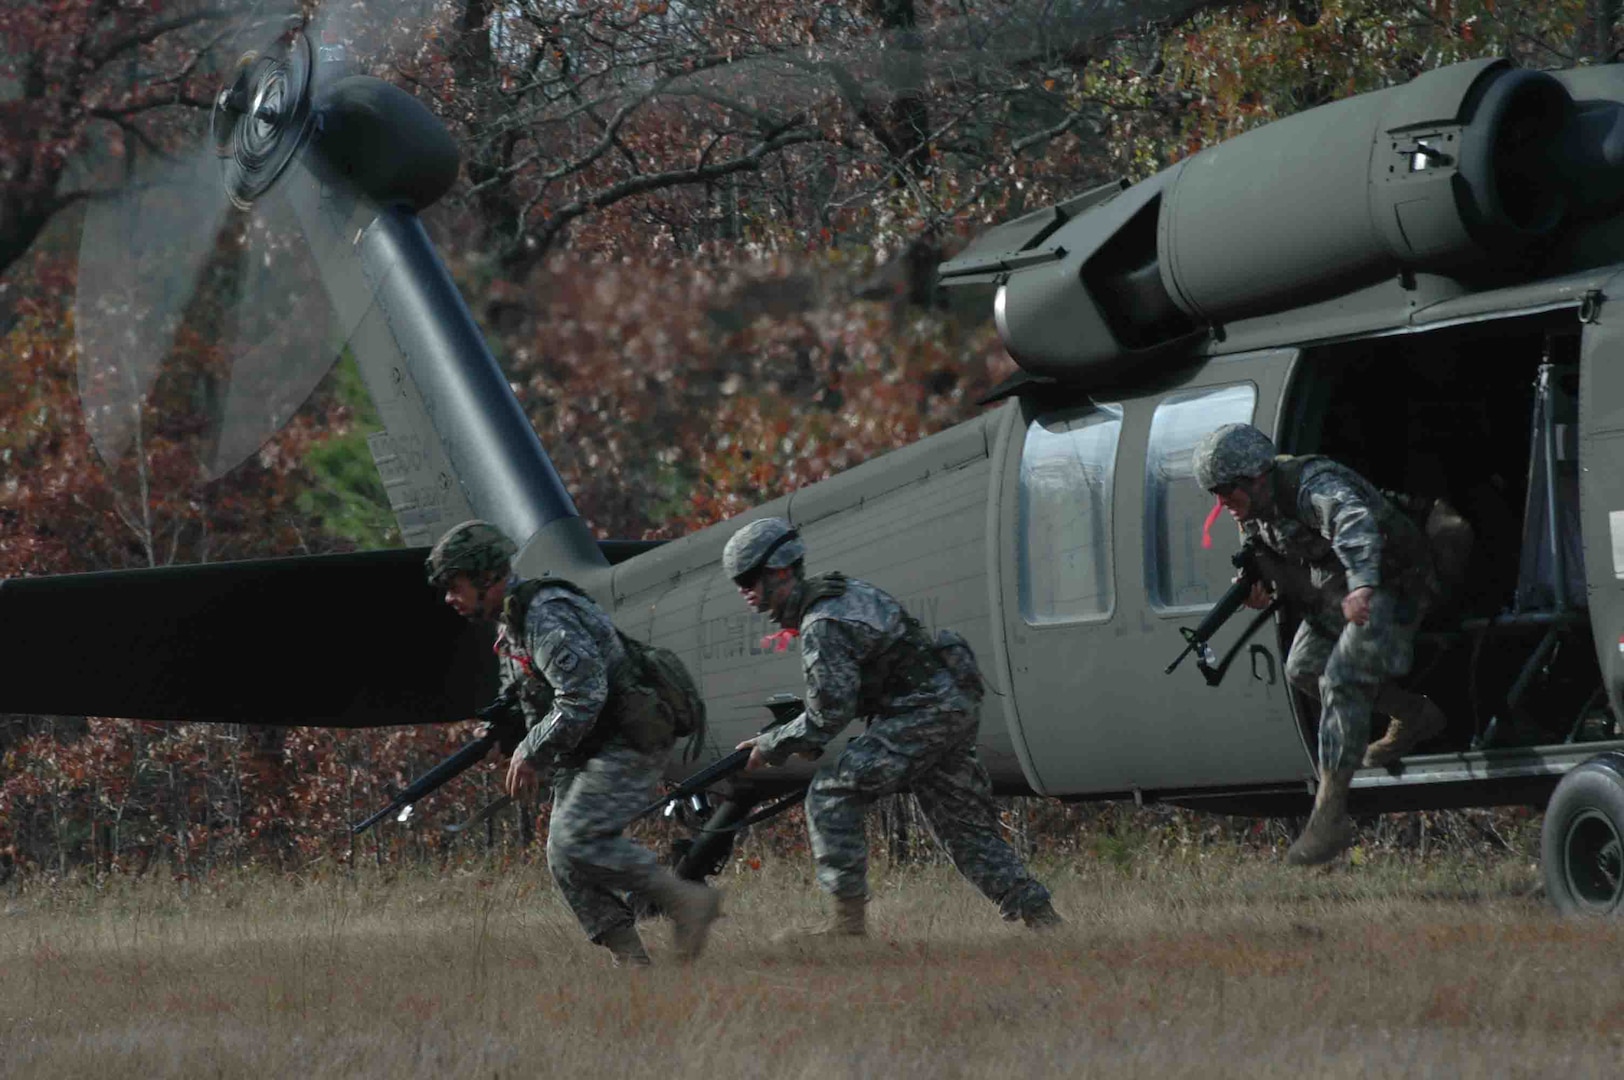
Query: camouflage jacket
[1343, 529]
[562, 667]
[862, 656]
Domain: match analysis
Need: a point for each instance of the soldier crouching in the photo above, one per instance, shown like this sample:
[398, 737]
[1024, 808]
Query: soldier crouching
[563, 656]
[1370, 582]
[864, 655]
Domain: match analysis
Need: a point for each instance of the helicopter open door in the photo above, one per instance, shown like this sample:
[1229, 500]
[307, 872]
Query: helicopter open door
[1102, 558]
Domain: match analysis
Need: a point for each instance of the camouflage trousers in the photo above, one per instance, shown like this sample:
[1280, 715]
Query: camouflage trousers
[933, 753]
[1345, 666]
[594, 866]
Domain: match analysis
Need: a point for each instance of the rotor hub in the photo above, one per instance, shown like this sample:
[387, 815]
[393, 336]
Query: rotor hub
[262, 116]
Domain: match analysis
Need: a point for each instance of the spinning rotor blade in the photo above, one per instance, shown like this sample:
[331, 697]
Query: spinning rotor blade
[227, 300]
[283, 334]
[141, 256]
[201, 311]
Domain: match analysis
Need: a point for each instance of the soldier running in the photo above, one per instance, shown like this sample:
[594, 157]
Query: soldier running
[1372, 580]
[561, 652]
[866, 656]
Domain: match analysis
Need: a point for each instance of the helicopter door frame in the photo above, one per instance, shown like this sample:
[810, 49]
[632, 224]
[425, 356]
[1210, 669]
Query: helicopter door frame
[1088, 703]
[1601, 483]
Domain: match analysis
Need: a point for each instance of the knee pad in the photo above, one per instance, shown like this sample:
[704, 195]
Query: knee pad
[1303, 673]
[1305, 681]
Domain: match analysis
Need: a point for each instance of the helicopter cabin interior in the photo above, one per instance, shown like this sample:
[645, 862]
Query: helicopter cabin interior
[1485, 416]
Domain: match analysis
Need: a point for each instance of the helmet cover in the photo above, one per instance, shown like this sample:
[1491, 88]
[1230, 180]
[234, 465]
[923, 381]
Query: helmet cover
[1232, 452]
[476, 548]
[766, 543]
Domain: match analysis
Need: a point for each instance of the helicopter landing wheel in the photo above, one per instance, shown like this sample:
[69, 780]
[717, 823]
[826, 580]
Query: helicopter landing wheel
[1582, 842]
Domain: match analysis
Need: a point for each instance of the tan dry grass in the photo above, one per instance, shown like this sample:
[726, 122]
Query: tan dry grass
[1172, 967]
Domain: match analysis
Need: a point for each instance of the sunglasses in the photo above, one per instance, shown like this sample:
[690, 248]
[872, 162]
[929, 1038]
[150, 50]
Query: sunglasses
[1223, 491]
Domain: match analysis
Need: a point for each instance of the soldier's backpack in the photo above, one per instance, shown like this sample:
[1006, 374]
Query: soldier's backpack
[1449, 535]
[660, 703]
[654, 698]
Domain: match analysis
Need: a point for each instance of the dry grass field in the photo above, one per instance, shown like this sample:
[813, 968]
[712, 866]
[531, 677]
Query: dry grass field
[1218, 965]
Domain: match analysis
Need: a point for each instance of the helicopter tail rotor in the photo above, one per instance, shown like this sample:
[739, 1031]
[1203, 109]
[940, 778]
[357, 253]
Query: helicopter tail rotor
[262, 115]
[203, 307]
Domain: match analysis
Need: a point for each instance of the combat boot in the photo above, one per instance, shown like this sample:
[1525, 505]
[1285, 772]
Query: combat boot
[849, 920]
[1330, 829]
[1043, 918]
[626, 947]
[692, 908]
[1411, 724]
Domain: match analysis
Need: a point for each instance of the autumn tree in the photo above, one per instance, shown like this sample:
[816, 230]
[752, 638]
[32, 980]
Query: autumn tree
[78, 80]
[72, 790]
[678, 376]
[610, 128]
[1230, 68]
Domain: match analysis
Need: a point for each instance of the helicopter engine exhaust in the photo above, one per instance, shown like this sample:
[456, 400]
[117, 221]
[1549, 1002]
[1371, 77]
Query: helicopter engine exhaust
[1469, 171]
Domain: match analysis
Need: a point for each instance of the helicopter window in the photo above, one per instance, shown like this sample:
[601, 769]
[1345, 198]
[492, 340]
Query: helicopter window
[1179, 571]
[1067, 465]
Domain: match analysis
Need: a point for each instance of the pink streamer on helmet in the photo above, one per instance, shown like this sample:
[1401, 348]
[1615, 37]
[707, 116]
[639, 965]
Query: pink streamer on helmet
[1212, 517]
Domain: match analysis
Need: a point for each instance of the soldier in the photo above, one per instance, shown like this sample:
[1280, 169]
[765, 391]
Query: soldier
[866, 656]
[1370, 581]
[561, 653]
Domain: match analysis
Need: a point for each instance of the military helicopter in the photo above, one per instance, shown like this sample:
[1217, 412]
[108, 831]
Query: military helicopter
[1414, 281]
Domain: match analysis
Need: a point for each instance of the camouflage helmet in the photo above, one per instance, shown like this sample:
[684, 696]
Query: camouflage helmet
[476, 548]
[762, 544]
[1232, 452]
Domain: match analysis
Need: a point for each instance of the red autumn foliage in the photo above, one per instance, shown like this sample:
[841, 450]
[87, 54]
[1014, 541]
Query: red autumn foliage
[673, 399]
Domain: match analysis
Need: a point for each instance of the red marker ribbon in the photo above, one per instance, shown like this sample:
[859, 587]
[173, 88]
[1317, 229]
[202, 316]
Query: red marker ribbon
[780, 641]
[520, 657]
[1212, 517]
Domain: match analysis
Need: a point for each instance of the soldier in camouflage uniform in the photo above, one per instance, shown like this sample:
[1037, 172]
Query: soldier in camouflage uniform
[1370, 581]
[864, 656]
[562, 655]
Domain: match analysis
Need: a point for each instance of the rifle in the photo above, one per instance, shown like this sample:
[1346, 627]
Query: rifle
[784, 707]
[1197, 641]
[502, 717]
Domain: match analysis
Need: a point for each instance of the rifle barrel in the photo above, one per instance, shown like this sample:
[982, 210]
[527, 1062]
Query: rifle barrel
[465, 758]
[374, 819]
[458, 763]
